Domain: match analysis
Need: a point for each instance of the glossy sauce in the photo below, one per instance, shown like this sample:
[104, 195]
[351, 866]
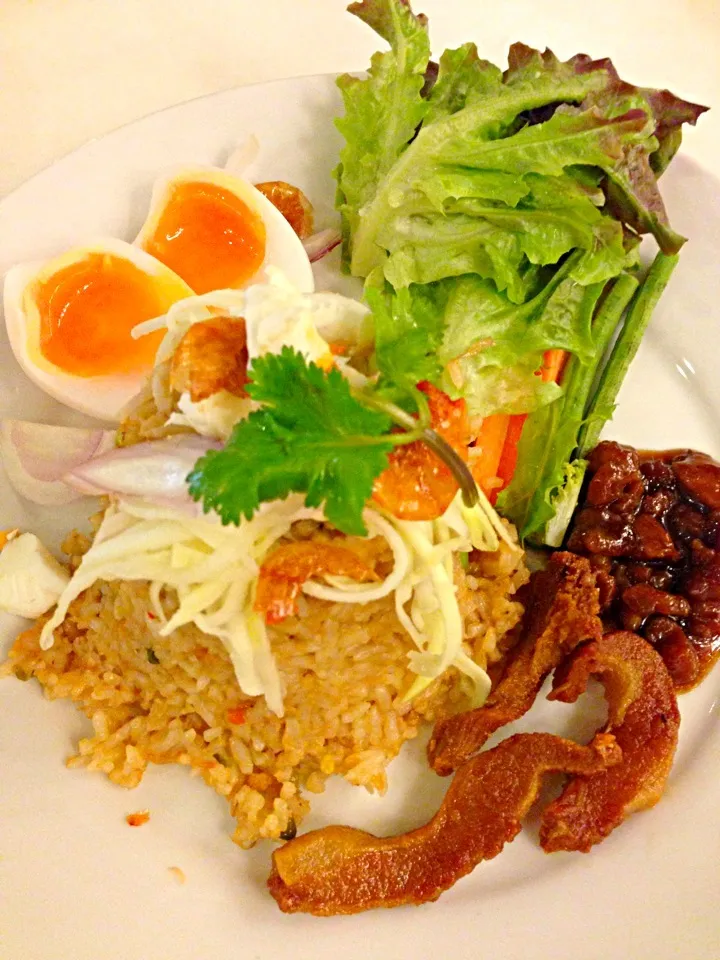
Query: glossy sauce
[651, 526]
[208, 236]
[87, 311]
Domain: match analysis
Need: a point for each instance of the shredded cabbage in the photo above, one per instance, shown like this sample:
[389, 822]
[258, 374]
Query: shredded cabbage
[213, 569]
[276, 315]
[433, 619]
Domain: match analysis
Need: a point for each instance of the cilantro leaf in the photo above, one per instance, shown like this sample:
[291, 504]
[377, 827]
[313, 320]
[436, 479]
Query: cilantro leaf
[311, 436]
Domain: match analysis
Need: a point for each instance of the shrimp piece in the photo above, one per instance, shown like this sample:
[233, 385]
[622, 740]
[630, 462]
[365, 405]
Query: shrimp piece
[292, 204]
[418, 485]
[212, 356]
[286, 569]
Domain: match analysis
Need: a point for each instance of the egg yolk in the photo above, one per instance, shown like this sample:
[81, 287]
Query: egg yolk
[208, 236]
[87, 311]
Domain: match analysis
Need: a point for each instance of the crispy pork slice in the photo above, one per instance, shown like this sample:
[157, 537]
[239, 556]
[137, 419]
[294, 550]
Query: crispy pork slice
[339, 870]
[643, 718]
[562, 612]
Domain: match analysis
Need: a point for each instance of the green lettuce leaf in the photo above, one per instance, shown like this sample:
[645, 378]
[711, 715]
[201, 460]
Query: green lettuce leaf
[409, 327]
[449, 182]
[462, 79]
[382, 111]
[563, 500]
[476, 134]
[492, 349]
[500, 242]
[465, 138]
[546, 444]
[497, 210]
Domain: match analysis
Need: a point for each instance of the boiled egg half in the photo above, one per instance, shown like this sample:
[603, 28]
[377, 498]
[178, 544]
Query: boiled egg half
[217, 231]
[69, 321]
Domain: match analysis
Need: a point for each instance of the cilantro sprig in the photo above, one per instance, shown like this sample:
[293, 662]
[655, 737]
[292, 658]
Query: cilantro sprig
[314, 435]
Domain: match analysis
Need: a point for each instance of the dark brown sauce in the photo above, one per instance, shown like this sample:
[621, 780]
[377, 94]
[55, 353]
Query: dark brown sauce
[650, 522]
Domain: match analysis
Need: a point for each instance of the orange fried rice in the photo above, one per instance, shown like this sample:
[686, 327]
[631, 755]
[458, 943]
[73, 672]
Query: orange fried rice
[175, 699]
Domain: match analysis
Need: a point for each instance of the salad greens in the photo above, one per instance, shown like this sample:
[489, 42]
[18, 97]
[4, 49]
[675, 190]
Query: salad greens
[414, 156]
[505, 224]
[494, 216]
[545, 486]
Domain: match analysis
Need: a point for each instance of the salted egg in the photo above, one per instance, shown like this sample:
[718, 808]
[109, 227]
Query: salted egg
[217, 232]
[69, 321]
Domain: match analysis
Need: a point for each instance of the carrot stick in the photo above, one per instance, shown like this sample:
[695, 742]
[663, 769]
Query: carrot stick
[551, 371]
[509, 455]
[553, 365]
[490, 441]
[500, 434]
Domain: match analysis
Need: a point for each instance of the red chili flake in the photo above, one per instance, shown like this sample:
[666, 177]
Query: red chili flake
[236, 715]
[151, 616]
[138, 819]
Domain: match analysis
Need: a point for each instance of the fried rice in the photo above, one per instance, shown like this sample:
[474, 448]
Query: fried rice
[175, 699]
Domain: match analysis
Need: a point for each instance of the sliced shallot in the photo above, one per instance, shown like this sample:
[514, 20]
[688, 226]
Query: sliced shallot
[243, 157]
[37, 456]
[153, 470]
[320, 244]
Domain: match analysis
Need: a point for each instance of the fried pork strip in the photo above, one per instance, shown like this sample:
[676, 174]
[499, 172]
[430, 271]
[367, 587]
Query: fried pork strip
[212, 356]
[339, 870]
[643, 718]
[562, 612]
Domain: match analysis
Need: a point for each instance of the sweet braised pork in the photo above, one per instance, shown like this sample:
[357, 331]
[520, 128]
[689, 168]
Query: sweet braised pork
[650, 525]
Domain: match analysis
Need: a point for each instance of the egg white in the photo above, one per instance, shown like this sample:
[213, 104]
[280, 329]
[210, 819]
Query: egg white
[283, 248]
[108, 397]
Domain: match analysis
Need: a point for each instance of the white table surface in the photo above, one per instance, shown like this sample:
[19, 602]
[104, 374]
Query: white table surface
[71, 70]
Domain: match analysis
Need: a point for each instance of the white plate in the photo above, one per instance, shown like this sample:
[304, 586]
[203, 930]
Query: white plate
[77, 884]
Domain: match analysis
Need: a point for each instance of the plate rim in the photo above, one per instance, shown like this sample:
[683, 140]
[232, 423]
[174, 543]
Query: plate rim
[161, 111]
